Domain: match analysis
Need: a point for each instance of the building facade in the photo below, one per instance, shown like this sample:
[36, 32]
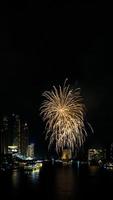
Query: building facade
[4, 135]
[96, 155]
[14, 135]
[24, 139]
[30, 151]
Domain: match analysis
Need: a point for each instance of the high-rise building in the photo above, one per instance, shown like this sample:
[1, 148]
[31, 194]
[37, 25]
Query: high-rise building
[30, 150]
[16, 131]
[111, 152]
[4, 138]
[24, 139]
[14, 135]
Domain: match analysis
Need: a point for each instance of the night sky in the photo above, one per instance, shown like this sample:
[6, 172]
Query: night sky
[41, 45]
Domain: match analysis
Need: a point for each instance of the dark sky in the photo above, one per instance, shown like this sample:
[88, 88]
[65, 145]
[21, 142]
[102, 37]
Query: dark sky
[43, 43]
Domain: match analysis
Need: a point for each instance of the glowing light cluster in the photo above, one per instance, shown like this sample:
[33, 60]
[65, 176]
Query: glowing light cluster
[63, 111]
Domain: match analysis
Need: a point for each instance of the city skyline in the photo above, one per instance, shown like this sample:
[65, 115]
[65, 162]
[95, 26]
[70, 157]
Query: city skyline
[14, 135]
[42, 44]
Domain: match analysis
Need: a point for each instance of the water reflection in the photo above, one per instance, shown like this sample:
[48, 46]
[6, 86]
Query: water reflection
[93, 170]
[20, 179]
[59, 183]
[15, 178]
[33, 176]
[65, 183]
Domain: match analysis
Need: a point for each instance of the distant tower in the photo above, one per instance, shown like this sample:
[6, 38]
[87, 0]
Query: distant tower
[16, 131]
[24, 139]
[30, 151]
[111, 152]
[4, 135]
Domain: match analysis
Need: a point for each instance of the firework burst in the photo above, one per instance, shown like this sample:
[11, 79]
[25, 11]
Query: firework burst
[63, 111]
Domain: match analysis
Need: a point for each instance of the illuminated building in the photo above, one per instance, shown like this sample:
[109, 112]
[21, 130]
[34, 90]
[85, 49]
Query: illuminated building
[16, 131]
[9, 132]
[66, 155]
[24, 139]
[4, 135]
[111, 152]
[96, 155]
[12, 149]
[19, 134]
[14, 135]
[30, 150]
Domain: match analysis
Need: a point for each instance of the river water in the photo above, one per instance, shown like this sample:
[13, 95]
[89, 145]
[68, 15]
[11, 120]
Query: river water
[57, 182]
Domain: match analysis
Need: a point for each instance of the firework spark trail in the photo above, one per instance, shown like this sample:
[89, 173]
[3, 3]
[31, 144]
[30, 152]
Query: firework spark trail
[63, 111]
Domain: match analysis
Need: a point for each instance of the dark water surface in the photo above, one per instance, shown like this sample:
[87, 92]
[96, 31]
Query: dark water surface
[57, 182]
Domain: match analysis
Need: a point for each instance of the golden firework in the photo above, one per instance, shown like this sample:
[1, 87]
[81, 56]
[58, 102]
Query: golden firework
[63, 111]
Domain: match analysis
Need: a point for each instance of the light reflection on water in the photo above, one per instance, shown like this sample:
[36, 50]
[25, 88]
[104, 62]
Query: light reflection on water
[33, 176]
[21, 178]
[93, 170]
[15, 178]
[66, 183]
[57, 183]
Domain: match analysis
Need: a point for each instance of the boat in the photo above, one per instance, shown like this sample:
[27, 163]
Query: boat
[67, 163]
[33, 167]
[108, 166]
